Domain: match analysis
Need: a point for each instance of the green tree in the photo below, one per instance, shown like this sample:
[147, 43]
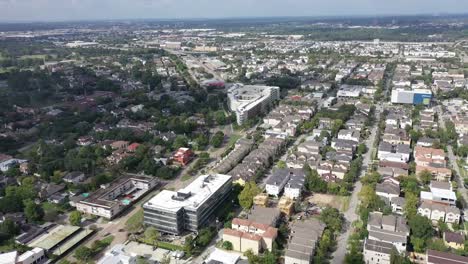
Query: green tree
[75, 218]
[32, 211]
[189, 244]
[332, 218]
[84, 253]
[247, 194]
[281, 164]
[437, 244]
[227, 245]
[411, 205]
[425, 176]
[152, 235]
[217, 139]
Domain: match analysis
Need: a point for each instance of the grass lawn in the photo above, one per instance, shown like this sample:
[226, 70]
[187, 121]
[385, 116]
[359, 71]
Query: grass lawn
[162, 244]
[186, 177]
[233, 139]
[38, 56]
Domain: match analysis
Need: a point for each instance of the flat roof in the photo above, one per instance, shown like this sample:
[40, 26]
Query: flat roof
[191, 196]
[54, 237]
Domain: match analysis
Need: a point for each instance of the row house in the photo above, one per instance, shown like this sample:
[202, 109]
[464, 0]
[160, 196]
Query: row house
[436, 212]
[390, 229]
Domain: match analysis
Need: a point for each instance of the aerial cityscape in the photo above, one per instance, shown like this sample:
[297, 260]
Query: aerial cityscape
[334, 135]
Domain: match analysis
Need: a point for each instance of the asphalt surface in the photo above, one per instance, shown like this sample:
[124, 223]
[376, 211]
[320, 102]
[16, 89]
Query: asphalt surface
[350, 215]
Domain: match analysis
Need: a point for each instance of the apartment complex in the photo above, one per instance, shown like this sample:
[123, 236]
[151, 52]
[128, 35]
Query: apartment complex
[189, 208]
[112, 198]
[248, 101]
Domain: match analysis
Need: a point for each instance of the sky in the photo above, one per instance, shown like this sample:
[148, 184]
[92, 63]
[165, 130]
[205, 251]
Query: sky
[63, 10]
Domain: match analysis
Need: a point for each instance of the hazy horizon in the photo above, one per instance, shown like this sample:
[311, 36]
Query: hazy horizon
[76, 10]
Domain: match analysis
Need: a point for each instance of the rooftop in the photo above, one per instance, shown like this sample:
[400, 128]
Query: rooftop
[191, 196]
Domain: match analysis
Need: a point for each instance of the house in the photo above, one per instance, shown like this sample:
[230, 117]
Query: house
[425, 142]
[427, 156]
[7, 162]
[74, 177]
[120, 144]
[454, 240]
[133, 147]
[349, 134]
[440, 192]
[438, 257]
[388, 228]
[436, 212]
[397, 204]
[183, 156]
[377, 252]
[295, 185]
[394, 153]
[389, 188]
[276, 182]
[247, 235]
[344, 145]
[49, 189]
[438, 172]
[303, 240]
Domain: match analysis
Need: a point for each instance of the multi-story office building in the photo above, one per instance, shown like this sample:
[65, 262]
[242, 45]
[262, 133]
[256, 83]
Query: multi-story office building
[248, 101]
[189, 208]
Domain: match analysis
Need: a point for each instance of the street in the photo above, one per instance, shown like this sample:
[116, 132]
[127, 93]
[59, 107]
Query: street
[453, 160]
[350, 215]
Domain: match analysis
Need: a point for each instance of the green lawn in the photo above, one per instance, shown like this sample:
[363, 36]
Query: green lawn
[233, 139]
[38, 56]
[186, 177]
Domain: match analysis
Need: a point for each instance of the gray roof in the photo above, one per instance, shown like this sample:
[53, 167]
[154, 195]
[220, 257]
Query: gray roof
[264, 215]
[403, 148]
[400, 201]
[388, 187]
[304, 236]
[378, 246]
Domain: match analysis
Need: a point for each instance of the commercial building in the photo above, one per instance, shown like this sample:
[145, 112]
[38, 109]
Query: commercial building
[111, 199]
[250, 100]
[189, 208]
[415, 96]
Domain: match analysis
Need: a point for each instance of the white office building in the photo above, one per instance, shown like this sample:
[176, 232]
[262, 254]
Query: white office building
[189, 208]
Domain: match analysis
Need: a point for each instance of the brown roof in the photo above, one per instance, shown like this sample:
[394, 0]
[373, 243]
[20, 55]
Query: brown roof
[454, 237]
[438, 257]
[232, 232]
[392, 164]
[251, 237]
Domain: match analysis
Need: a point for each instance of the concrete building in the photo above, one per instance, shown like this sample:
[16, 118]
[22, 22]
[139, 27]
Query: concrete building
[189, 208]
[111, 199]
[250, 100]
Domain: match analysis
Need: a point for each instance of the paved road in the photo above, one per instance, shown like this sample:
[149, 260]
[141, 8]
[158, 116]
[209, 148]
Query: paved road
[350, 215]
[453, 160]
